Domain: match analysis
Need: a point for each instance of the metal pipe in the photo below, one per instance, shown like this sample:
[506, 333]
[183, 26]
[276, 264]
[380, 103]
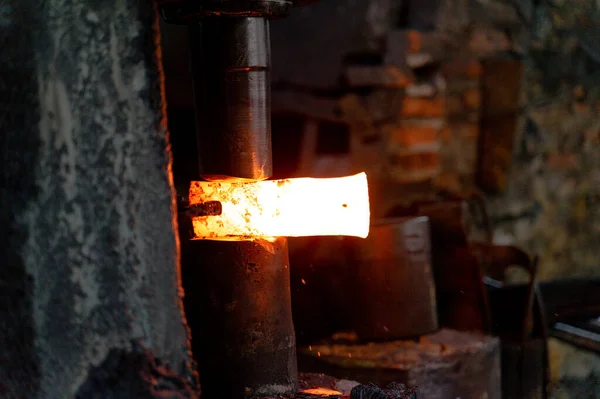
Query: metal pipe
[243, 337]
[232, 89]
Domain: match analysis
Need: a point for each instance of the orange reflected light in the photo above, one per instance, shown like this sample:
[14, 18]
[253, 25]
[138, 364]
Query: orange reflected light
[321, 392]
[283, 208]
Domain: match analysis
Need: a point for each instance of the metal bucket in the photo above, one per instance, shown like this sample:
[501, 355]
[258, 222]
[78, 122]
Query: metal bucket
[393, 286]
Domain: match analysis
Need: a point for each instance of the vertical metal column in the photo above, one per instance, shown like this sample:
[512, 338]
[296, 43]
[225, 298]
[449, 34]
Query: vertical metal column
[243, 334]
[232, 89]
[237, 292]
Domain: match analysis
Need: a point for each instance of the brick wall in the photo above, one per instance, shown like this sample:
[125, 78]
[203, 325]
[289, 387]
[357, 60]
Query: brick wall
[416, 120]
[545, 196]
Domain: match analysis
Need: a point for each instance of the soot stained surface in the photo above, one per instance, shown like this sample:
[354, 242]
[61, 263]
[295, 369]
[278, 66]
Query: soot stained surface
[90, 254]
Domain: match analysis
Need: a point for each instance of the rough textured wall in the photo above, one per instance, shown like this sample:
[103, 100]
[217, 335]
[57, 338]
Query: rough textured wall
[89, 255]
[550, 205]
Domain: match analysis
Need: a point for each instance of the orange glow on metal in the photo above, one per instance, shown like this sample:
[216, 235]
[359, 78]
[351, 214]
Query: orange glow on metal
[320, 391]
[284, 208]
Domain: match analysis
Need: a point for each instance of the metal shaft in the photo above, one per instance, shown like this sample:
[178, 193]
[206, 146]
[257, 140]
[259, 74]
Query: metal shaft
[230, 67]
[243, 335]
[238, 297]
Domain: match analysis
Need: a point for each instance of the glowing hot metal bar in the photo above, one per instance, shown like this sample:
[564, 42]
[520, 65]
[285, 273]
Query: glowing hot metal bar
[283, 208]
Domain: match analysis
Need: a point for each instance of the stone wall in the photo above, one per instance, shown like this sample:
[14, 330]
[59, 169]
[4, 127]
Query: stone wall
[550, 205]
[547, 202]
[91, 298]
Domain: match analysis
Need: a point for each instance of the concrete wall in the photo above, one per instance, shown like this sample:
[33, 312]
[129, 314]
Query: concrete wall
[89, 261]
